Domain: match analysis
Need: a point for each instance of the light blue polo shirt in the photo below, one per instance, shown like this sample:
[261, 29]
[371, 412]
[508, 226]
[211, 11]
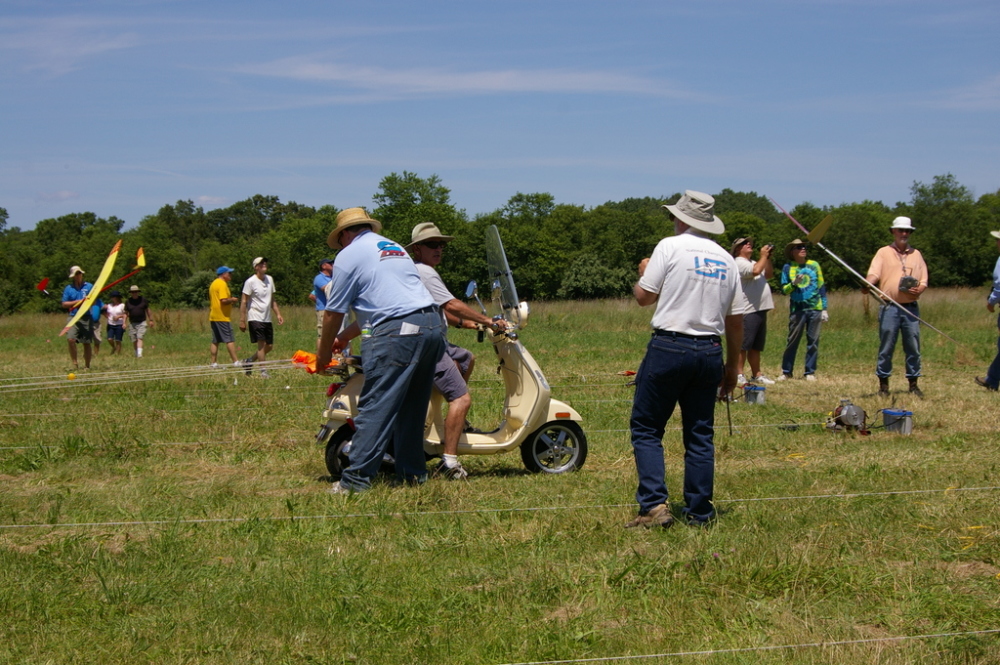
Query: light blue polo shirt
[319, 290]
[73, 293]
[376, 278]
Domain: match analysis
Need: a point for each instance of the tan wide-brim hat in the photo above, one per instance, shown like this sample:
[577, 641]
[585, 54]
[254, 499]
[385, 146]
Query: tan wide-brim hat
[348, 218]
[790, 246]
[426, 231]
[697, 210]
[995, 234]
[737, 245]
[74, 270]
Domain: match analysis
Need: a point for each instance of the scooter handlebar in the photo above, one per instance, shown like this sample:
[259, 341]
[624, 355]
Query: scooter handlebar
[495, 329]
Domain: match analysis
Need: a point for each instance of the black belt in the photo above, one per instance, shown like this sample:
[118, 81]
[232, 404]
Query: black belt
[671, 333]
[430, 309]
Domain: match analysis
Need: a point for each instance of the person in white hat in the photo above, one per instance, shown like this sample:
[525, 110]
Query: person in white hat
[83, 331]
[992, 379]
[256, 307]
[753, 278]
[900, 272]
[695, 286]
[402, 339]
[452, 373]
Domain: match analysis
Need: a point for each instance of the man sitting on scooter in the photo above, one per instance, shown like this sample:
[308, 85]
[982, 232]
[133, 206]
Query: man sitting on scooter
[451, 376]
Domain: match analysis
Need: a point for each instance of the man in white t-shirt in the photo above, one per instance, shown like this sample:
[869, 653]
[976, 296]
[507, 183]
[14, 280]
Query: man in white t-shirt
[753, 277]
[451, 376]
[255, 309]
[696, 289]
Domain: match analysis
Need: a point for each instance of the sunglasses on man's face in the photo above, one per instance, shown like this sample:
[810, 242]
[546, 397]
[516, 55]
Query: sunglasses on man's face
[799, 247]
[434, 244]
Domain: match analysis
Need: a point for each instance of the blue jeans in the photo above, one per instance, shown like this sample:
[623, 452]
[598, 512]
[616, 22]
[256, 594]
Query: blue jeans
[399, 371]
[893, 322]
[993, 373]
[807, 322]
[686, 372]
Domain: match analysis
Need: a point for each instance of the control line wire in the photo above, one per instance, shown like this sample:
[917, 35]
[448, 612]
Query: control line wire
[776, 647]
[481, 511]
[85, 378]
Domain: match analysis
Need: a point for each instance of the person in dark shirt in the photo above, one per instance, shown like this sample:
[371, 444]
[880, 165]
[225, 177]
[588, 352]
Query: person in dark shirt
[139, 316]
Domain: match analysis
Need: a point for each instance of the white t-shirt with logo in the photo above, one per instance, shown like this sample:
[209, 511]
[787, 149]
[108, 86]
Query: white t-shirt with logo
[697, 282]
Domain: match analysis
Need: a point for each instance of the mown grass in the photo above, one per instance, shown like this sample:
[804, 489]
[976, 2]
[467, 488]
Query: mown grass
[185, 520]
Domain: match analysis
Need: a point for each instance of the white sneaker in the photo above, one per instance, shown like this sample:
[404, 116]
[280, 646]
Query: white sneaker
[214, 365]
[337, 488]
[760, 378]
[810, 377]
[784, 377]
[741, 381]
[264, 374]
[238, 363]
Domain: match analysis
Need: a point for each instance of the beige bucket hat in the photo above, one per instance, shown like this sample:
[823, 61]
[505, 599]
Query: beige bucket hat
[426, 231]
[697, 210]
[74, 270]
[348, 218]
[790, 247]
[902, 223]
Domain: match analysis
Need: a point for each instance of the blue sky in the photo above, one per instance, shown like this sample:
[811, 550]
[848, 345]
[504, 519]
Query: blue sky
[120, 108]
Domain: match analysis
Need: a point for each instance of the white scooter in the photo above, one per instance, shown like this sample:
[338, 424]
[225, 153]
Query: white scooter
[547, 431]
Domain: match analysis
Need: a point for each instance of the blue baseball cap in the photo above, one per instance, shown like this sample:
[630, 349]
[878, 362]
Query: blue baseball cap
[223, 269]
[323, 262]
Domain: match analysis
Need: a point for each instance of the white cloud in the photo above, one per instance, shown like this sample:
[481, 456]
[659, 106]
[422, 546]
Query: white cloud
[212, 201]
[981, 96]
[427, 81]
[59, 45]
[55, 197]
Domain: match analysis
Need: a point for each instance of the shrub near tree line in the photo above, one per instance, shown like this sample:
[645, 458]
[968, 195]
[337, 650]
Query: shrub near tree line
[556, 250]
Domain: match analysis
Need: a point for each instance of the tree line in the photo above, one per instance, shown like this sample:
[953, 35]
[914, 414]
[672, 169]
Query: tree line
[555, 250]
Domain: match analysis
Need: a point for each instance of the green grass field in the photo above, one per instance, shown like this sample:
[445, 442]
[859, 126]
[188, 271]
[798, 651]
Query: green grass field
[186, 520]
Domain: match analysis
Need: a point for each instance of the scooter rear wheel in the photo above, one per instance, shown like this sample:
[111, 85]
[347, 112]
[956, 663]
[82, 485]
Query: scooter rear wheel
[336, 455]
[338, 447]
[555, 447]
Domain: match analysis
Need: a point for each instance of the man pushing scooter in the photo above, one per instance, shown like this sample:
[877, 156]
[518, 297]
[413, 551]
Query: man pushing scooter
[402, 340]
[451, 376]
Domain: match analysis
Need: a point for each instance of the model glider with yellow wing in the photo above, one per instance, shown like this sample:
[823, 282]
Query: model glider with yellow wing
[95, 291]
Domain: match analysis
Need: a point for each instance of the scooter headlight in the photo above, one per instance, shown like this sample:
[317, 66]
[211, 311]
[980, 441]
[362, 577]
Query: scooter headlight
[522, 314]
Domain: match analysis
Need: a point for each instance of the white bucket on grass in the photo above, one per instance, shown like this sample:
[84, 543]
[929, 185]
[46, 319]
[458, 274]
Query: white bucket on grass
[898, 421]
[753, 394]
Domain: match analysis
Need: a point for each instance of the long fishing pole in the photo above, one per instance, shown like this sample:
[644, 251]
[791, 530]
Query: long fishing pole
[814, 237]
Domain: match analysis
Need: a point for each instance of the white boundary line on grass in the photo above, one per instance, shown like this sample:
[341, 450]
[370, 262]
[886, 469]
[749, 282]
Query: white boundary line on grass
[427, 513]
[711, 652]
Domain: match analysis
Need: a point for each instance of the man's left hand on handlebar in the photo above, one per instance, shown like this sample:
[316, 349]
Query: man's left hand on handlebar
[324, 357]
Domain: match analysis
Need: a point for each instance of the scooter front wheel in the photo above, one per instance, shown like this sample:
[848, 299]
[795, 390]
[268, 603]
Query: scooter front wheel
[555, 447]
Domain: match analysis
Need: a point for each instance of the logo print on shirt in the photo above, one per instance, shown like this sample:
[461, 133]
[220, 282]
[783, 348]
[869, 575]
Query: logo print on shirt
[390, 250]
[712, 268]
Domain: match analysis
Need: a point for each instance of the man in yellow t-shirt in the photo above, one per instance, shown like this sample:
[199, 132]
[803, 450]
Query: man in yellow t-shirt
[219, 315]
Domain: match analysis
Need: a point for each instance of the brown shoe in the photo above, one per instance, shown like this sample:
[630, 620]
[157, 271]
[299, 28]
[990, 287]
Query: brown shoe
[658, 516]
[981, 381]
